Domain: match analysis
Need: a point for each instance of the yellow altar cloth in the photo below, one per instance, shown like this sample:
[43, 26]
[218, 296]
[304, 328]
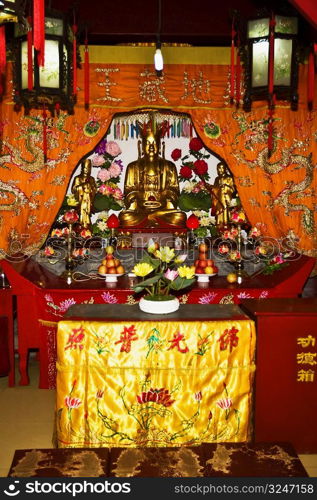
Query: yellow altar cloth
[154, 383]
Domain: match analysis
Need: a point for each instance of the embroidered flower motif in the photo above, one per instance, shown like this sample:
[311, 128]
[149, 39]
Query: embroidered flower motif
[99, 394]
[109, 298]
[65, 304]
[198, 396]
[72, 403]
[158, 396]
[224, 403]
[207, 298]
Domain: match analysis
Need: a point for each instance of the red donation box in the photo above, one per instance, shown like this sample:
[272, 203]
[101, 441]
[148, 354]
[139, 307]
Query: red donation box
[286, 371]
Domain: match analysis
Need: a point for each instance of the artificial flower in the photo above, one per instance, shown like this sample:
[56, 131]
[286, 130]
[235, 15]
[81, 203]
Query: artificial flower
[48, 250]
[71, 200]
[165, 254]
[103, 175]
[85, 233]
[238, 217]
[112, 148]
[186, 172]
[195, 144]
[200, 167]
[180, 258]
[171, 274]
[114, 170]
[142, 269]
[176, 154]
[186, 272]
[71, 216]
[97, 160]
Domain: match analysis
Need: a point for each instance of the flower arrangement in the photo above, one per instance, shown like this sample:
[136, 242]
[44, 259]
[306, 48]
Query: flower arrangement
[164, 272]
[109, 196]
[194, 172]
[100, 227]
[207, 225]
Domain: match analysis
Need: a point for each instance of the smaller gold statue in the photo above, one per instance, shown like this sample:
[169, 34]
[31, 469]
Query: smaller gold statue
[223, 190]
[84, 189]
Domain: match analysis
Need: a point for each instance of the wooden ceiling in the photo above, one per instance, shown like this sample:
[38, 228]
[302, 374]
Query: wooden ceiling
[194, 22]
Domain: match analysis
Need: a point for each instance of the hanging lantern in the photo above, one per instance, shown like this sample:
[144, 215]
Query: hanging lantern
[11, 11]
[53, 82]
[271, 61]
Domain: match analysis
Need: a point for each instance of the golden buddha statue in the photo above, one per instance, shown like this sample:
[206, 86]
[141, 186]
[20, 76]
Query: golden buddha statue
[84, 188]
[151, 188]
[223, 190]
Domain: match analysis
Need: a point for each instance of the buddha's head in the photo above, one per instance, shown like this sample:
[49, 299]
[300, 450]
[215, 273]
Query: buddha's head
[150, 144]
[222, 169]
[86, 168]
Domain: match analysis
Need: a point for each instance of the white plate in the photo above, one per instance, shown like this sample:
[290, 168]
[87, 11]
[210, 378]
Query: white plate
[111, 278]
[203, 278]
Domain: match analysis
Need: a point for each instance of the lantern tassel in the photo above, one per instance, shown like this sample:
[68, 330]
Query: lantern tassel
[270, 126]
[30, 54]
[232, 72]
[86, 73]
[271, 56]
[3, 58]
[74, 58]
[39, 30]
[238, 73]
[311, 78]
[44, 134]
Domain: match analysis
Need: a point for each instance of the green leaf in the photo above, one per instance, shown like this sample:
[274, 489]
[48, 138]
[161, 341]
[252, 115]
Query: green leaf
[150, 260]
[180, 283]
[149, 281]
[102, 202]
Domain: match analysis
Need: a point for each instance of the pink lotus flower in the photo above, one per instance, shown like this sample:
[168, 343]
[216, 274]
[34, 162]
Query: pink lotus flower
[103, 175]
[224, 403]
[72, 403]
[112, 148]
[114, 170]
[171, 274]
[97, 160]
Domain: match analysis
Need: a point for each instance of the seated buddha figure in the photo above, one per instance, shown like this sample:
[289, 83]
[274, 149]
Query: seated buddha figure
[151, 188]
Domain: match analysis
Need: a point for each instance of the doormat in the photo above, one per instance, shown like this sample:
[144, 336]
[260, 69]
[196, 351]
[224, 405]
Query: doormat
[206, 460]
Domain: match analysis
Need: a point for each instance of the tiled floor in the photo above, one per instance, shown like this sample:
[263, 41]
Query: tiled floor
[26, 420]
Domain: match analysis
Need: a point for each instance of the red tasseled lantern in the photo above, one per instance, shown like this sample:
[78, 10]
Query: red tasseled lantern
[192, 222]
[113, 221]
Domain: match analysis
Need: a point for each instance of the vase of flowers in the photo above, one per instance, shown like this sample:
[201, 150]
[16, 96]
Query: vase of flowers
[109, 196]
[164, 273]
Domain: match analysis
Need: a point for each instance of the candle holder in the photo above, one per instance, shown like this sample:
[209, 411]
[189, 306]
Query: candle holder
[70, 263]
[239, 264]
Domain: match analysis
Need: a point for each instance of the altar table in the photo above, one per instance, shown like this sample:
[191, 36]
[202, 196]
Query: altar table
[43, 297]
[127, 378]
